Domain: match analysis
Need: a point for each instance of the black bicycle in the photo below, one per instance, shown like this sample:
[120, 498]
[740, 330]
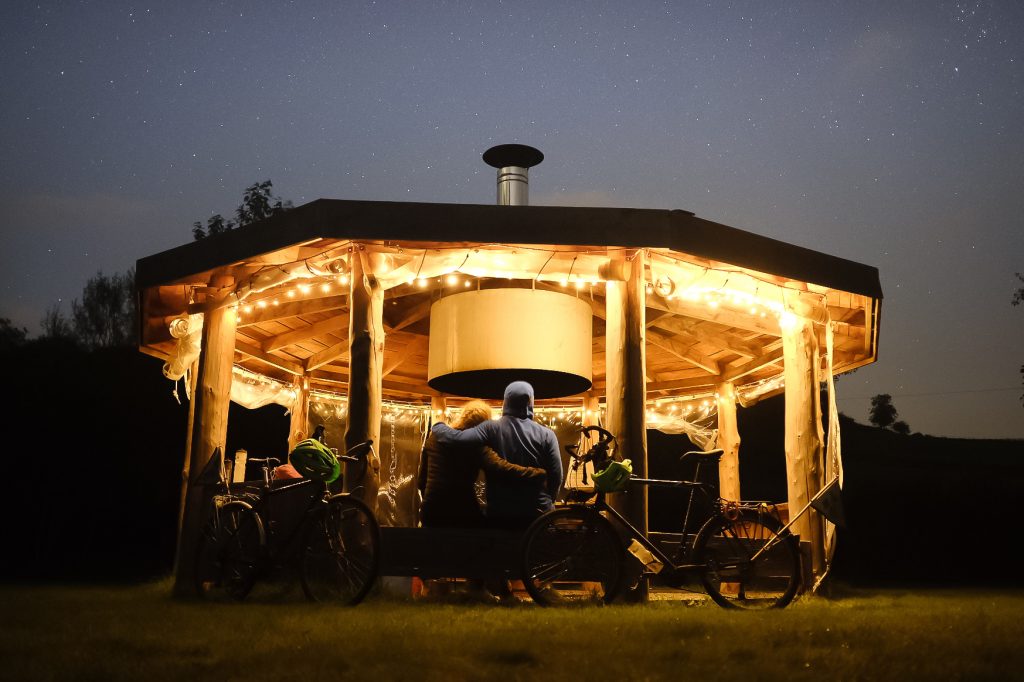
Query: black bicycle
[251, 533]
[742, 554]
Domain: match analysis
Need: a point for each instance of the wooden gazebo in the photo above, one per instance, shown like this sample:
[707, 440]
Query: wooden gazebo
[336, 296]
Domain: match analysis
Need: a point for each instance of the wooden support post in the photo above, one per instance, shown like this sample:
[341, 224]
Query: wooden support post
[729, 441]
[626, 392]
[366, 358]
[208, 429]
[190, 377]
[298, 427]
[804, 436]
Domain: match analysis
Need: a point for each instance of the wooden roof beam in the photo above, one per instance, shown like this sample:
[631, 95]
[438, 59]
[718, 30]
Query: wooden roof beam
[272, 360]
[417, 344]
[293, 309]
[679, 326]
[331, 325]
[338, 351]
[720, 315]
[733, 373]
[679, 350]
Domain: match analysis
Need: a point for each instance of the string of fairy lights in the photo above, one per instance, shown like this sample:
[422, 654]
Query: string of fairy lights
[326, 275]
[314, 278]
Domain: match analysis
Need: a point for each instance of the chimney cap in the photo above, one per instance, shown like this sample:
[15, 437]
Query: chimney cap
[505, 155]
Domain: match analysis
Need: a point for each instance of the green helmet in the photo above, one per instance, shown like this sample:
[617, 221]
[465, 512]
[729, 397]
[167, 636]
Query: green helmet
[614, 477]
[313, 459]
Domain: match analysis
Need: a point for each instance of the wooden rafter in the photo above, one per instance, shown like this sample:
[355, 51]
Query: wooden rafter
[733, 373]
[338, 351]
[272, 360]
[332, 324]
[293, 309]
[416, 313]
[680, 350]
[691, 330]
[415, 345]
[720, 315]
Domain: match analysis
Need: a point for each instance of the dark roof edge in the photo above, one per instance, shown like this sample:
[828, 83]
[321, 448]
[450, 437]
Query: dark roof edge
[408, 221]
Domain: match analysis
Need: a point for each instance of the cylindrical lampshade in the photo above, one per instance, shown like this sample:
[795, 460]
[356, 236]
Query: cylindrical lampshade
[480, 341]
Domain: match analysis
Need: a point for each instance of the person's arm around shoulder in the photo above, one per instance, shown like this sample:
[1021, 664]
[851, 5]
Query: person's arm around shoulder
[495, 465]
[446, 435]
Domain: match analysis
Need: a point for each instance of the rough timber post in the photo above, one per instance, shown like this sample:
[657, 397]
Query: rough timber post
[208, 427]
[365, 380]
[729, 441]
[804, 437]
[298, 427]
[625, 367]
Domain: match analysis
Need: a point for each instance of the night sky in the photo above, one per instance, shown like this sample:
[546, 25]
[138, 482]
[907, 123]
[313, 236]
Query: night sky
[885, 133]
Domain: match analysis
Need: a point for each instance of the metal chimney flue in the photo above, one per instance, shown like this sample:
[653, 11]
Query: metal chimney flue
[513, 162]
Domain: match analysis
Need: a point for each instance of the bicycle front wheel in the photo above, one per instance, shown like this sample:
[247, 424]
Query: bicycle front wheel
[228, 554]
[572, 556]
[735, 575]
[341, 552]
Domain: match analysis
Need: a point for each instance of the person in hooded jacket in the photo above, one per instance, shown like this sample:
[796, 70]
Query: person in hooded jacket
[447, 475]
[521, 441]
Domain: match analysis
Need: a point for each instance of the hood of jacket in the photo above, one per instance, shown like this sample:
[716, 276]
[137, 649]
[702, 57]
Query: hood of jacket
[518, 400]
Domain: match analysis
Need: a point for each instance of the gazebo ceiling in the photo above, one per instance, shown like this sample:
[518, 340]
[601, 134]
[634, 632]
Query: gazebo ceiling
[716, 301]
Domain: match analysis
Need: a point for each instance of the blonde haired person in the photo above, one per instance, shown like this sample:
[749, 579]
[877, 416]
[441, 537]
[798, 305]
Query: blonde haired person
[448, 474]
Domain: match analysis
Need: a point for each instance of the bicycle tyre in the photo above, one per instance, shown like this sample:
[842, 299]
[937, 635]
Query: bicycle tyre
[341, 552]
[725, 546]
[572, 556]
[228, 554]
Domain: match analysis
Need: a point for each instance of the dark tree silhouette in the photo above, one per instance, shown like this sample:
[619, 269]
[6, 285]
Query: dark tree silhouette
[55, 324]
[258, 203]
[215, 224]
[11, 336]
[901, 427]
[106, 314]
[883, 412]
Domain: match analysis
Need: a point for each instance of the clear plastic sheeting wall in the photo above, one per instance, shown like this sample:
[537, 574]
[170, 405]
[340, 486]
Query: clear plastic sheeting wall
[253, 391]
[402, 431]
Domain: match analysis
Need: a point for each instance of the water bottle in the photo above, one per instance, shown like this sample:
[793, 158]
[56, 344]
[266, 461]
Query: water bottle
[238, 475]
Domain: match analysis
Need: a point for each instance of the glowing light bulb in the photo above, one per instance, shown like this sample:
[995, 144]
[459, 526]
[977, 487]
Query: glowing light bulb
[261, 304]
[452, 280]
[343, 280]
[325, 287]
[467, 283]
[421, 283]
[291, 293]
[304, 288]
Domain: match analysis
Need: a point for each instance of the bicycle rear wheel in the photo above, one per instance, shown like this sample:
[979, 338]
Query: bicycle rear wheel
[572, 556]
[733, 577]
[228, 554]
[341, 552]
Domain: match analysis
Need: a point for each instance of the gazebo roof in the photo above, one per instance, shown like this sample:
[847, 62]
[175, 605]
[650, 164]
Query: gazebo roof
[710, 286]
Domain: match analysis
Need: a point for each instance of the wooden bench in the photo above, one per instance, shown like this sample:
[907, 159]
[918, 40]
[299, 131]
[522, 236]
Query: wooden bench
[450, 553]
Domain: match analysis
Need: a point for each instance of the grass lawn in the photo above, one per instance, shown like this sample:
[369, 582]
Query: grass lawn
[139, 633]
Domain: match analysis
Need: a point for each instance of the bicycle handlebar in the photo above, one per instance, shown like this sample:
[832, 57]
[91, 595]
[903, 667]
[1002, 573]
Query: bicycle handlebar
[357, 452]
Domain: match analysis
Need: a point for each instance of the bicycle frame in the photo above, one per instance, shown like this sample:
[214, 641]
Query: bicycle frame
[695, 487]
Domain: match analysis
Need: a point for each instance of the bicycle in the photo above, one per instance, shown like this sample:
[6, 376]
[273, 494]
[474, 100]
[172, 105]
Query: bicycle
[246, 537]
[742, 554]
